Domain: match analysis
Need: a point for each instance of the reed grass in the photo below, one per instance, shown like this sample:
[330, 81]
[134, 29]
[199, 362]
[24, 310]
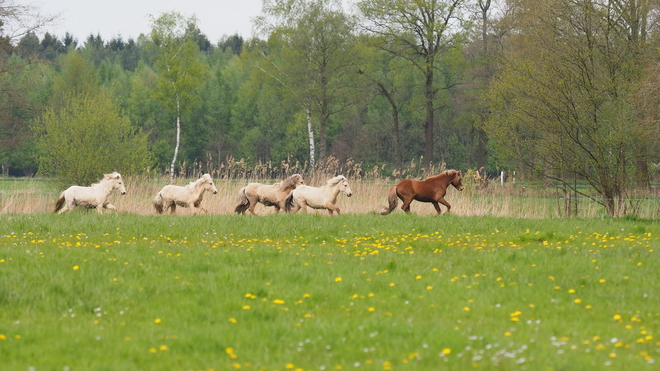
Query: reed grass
[369, 196]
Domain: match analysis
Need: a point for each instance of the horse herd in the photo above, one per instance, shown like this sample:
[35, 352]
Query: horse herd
[289, 195]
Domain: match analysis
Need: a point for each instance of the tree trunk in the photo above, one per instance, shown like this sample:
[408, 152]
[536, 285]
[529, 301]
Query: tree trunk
[310, 134]
[178, 138]
[398, 158]
[642, 165]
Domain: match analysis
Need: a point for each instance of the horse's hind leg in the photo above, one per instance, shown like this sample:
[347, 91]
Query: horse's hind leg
[406, 205]
[172, 208]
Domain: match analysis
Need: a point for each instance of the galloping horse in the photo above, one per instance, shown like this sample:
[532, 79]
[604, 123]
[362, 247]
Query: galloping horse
[269, 195]
[432, 189]
[318, 198]
[190, 196]
[92, 197]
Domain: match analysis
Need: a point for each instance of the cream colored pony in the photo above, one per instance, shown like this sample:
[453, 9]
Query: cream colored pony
[97, 196]
[318, 198]
[269, 195]
[190, 196]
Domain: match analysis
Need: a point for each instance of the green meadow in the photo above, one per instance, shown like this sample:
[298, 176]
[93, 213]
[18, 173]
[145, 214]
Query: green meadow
[117, 291]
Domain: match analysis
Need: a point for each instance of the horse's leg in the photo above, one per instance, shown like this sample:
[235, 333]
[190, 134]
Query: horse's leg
[110, 206]
[437, 207]
[332, 208]
[302, 206]
[253, 204]
[193, 208]
[442, 201]
[172, 208]
[99, 208]
[406, 204]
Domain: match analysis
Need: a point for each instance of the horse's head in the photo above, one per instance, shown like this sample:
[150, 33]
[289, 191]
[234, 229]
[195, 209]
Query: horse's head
[456, 180]
[117, 181]
[291, 182]
[208, 183]
[342, 185]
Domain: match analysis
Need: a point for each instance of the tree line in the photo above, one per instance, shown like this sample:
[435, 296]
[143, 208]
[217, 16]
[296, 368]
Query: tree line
[565, 90]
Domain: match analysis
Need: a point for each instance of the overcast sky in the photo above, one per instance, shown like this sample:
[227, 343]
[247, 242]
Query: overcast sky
[130, 18]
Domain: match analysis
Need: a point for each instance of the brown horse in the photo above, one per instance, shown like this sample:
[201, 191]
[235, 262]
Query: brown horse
[269, 195]
[432, 189]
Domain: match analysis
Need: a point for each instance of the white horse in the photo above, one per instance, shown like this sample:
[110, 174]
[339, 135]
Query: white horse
[269, 195]
[318, 198]
[95, 196]
[190, 196]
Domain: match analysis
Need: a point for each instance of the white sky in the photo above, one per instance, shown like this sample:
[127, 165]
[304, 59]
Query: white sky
[130, 18]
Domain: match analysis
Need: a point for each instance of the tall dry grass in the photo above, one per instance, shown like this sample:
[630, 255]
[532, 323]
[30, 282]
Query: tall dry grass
[369, 186]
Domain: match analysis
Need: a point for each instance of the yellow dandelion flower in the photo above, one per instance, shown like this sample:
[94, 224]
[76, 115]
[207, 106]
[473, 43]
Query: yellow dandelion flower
[617, 317]
[371, 309]
[577, 301]
[467, 309]
[446, 351]
[278, 301]
[153, 350]
[3, 337]
[75, 267]
[246, 307]
[163, 347]
[338, 279]
[157, 320]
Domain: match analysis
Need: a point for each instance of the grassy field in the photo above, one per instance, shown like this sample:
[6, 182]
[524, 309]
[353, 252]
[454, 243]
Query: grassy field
[124, 291]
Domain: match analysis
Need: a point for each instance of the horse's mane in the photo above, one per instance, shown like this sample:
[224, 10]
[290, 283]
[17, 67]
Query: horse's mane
[107, 178]
[199, 182]
[451, 173]
[335, 180]
[291, 182]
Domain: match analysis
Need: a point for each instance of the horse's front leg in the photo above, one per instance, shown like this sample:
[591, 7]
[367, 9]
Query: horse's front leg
[437, 207]
[110, 206]
[442, 201]
[332, 208]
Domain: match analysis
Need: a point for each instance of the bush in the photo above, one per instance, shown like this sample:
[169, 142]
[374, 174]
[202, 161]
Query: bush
[86, 138]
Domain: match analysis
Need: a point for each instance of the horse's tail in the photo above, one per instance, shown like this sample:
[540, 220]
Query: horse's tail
[392, 201]
[158, 203]
[244, 204]
[60, 203]
[288, 203]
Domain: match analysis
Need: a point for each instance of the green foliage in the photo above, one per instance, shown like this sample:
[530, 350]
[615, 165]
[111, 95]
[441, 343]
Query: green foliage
[177, 61]
[86, 138]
